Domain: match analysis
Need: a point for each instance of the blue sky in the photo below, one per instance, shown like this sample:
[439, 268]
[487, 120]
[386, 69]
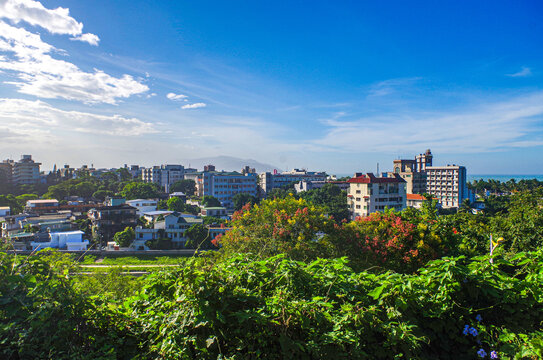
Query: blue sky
[335, 86]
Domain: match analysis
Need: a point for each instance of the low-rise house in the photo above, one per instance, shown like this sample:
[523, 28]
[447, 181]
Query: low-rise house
[143, 205]
[5, 211]
[153, 216]
[416, 201]
[12, 224]
[173, 227]
[218, 212]
[179, 195]
[41, 206]
[69, 240]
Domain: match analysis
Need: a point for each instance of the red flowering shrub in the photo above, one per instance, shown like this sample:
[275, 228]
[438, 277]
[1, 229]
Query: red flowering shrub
[385, 239]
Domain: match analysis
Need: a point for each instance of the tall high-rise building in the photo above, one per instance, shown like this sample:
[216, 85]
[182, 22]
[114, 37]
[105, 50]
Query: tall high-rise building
[414, 172]
[164, 176]
[26, 171]
[447, 184]
[6, 169]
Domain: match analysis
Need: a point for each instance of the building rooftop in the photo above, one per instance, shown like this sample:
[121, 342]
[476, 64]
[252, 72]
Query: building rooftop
[42, 201]
[416, 197]
[369, 178]
[158, 212]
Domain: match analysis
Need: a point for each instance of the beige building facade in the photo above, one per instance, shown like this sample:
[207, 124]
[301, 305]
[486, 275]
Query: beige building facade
[368, 194]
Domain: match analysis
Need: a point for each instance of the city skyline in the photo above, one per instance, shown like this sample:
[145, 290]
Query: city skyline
[335, 87]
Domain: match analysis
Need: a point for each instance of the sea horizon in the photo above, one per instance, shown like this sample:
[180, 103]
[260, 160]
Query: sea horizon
[486, 177]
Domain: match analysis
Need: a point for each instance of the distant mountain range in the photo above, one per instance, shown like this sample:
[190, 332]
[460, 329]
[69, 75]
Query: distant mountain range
[228, 163]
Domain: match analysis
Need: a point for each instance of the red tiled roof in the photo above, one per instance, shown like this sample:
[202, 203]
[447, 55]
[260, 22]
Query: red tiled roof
[369, 178]
[416, 197]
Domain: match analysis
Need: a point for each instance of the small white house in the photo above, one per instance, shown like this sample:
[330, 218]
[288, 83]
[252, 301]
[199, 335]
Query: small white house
[69, 240]
[143, 205]
[5, 211]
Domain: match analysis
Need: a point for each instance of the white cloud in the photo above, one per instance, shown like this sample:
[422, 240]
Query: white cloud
[486, 127]
[193, 106]
[173, 96]
[524, 72]
[42, 75]
[88, 38]
[56, 21]
[28, 117]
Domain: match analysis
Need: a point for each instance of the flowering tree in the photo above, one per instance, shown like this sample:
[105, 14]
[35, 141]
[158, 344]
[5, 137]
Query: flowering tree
[388, 240]
[276, 226]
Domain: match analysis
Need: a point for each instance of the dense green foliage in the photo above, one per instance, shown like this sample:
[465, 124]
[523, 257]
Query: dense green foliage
[331, 198]
[188, 187]
[210, 201]
[124, 238]
[138, 190]
[242, 199]
[290, 282]
[272, 309]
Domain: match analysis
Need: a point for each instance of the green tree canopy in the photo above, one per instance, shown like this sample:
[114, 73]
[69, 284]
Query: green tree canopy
[241, 199]
[124, 238]
[198, 237]
[186, 186]
[331, 198]
[210, 201]
[138, 190]
[176, 204]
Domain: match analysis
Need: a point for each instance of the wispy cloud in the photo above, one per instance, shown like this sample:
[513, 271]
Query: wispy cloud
[24, 115]
[56, 21]
[485, 127]
[391, 86]
[88, 38]
[39, 74]
[193, 106]
[173, 96]
[524, 72]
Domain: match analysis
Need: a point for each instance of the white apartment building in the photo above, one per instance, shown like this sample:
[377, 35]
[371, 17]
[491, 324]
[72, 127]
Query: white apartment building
[225, 185]
[26, 171]
[269, 181]
[164, 175]
[447, 184]
[368, 194]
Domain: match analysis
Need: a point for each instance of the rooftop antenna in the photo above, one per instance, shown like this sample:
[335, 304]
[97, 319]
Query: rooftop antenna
[377, 169]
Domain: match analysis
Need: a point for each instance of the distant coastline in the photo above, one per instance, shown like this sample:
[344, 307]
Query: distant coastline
[503, 178]
[486, 177]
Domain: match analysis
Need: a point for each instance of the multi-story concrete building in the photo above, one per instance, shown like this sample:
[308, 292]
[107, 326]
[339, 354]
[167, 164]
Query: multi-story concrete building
[414, 172]
[108, 220]
[6, 169]
[164, 176]
[269, 181]
[368, 194]
[447, 184]
[26, 171]
[224, 185]
[305, 185]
